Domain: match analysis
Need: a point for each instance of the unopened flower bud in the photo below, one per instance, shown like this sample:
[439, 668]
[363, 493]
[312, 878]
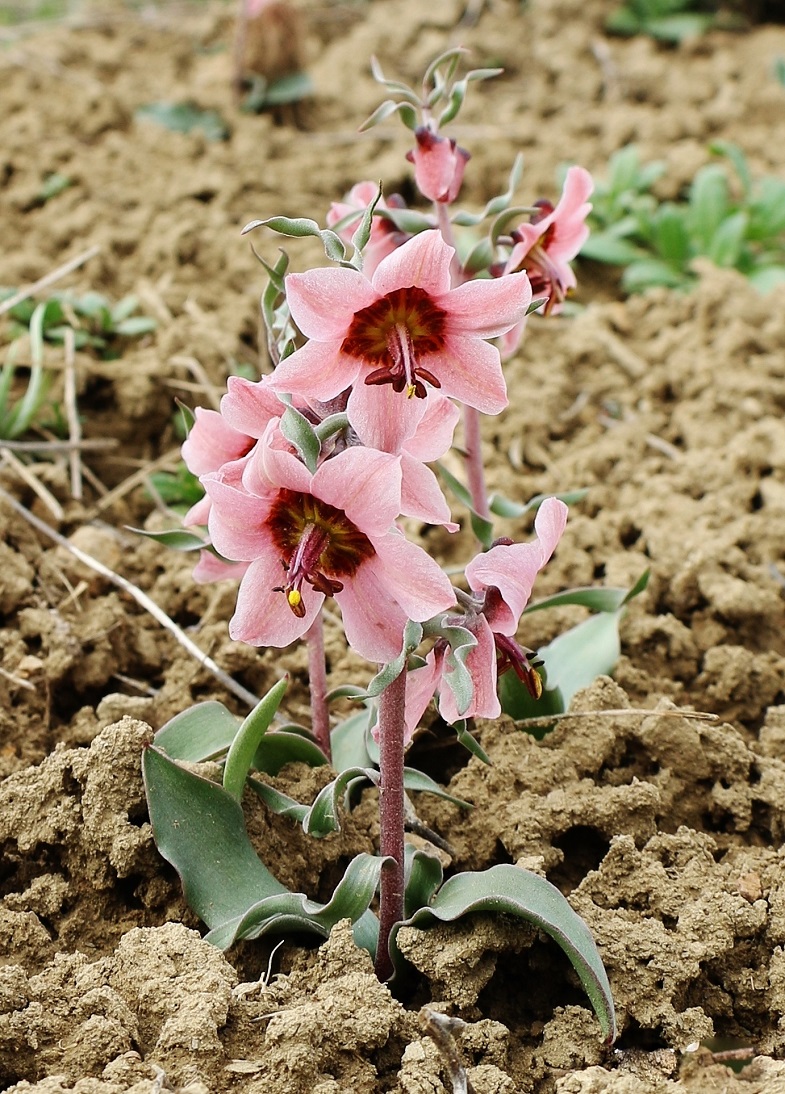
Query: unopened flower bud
[438, 165]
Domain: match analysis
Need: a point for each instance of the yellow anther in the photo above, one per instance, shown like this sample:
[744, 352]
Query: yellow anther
[294, 598]
[410, 390]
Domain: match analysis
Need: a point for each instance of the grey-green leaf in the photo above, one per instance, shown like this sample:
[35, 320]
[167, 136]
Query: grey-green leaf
[511, 890]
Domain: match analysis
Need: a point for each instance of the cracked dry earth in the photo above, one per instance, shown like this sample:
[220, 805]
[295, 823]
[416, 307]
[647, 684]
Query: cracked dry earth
[666, 833]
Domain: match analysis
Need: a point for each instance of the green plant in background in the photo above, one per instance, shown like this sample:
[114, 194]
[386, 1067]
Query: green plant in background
[96, 322]
[736, 223]
[18, 415]
[666, 20]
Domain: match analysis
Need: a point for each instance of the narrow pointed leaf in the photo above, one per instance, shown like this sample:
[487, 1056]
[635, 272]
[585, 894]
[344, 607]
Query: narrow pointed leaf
[417, 780]
[241, 753]
[177, 539]
[278, 748]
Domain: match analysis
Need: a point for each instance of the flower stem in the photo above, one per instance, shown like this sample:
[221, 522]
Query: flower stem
[317, 672]
[391, 816]
[475, 472]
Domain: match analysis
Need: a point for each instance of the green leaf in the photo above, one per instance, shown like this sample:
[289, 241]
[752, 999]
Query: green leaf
[677, 28]
[767, 278]
[576, 658]
[588, 596]
[135, 326]
[422, 877]
[322, 817]
[241, 753]
[278, 748]
[607, 247]
[571, 662]
[289, 912]
[363, 231]
[470, 743]
[728, 240]
[412, 637]
[288, 89]
[200, 733]
[199, 829]
[278, 802]
[298, 431]
[53, 185]
[647, 273]
[347, 742]
[670, 235]
[418, 781]
[482, 528]
[184, 118]
[709, 204]
[178, 539]
[503, 507]
[513, 891]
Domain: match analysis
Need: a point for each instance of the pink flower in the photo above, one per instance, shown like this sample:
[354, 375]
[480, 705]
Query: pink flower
[438, 165]
[429, 427]
[546, 246]
[308, 536]
[501, 582]
[210, 443]
[405, 327]
[385, 237]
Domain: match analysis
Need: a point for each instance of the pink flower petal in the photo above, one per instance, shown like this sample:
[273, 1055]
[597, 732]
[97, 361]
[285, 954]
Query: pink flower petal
[413, 578]
[512, 569]
[420, 687]
[372, 620]
[249, 406]
[470, 371]
[378, 421]
[383, 418]
[423, 261]
[570, 214]
[210, 568]
[318, 370]
[263, 617]
[435, 430]
[421, 495]
[237, 521]
[323, 301]
[212, 442]
[364, 484]
[198, 513]
[489, 307]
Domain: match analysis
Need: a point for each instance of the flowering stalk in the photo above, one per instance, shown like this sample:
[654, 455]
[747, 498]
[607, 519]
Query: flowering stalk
[392, 729]
[317, 682]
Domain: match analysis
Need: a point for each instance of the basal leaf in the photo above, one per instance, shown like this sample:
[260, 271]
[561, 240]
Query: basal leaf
[200, 733]
[514, 891]
[242, 750]
[199, 829]
[290, 912]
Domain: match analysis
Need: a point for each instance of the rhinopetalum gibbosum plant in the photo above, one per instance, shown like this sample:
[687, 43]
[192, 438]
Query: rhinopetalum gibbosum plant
[306, 473]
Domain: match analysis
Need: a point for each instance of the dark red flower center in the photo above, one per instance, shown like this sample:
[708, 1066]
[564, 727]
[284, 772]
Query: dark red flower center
[317, 544]
[394, 334]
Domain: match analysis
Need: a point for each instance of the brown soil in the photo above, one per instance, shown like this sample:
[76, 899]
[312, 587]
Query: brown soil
[665, 832]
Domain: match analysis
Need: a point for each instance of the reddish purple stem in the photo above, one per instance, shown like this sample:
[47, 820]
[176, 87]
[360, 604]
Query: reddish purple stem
[475, 473]
[317, 672]
[391, 816]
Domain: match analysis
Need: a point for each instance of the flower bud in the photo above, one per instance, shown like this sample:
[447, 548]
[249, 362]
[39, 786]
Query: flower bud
[438, 165]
